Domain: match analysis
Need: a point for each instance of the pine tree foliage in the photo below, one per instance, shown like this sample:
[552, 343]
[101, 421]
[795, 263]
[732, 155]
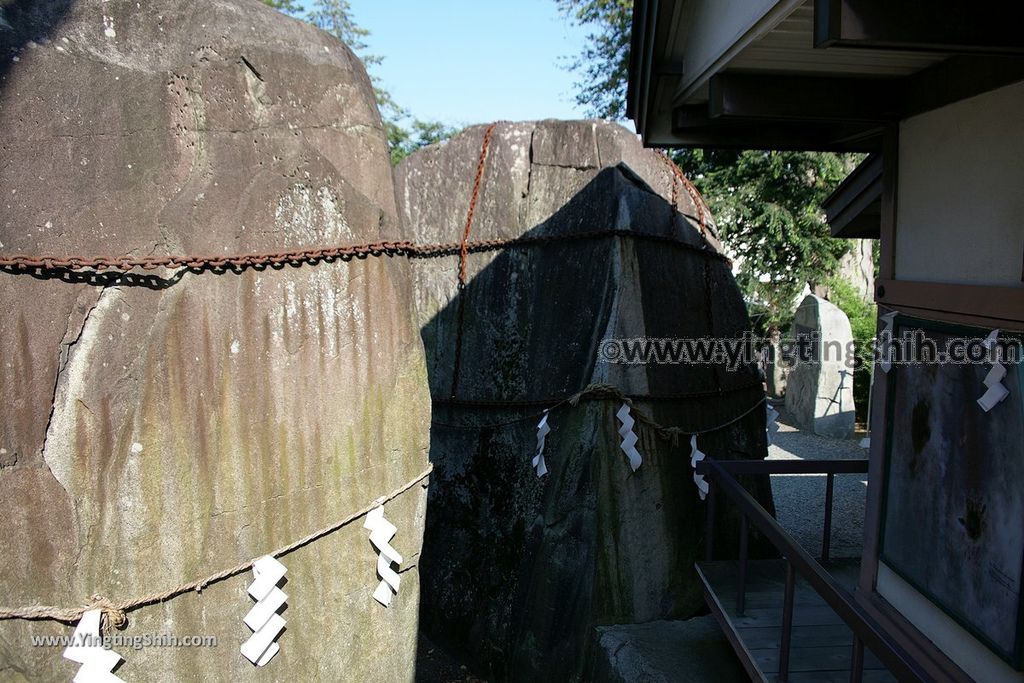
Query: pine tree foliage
[603, 65]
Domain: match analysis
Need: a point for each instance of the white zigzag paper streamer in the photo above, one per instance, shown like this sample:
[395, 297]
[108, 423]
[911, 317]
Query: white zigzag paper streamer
[993, 381]
[263, 618]
[87, 649]
[772, 422]
[885, 363]
[381, 533]
[542, 432]
[629, 437]
[695, 457]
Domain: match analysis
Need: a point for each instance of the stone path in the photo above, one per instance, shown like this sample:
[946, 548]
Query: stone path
[800, 499]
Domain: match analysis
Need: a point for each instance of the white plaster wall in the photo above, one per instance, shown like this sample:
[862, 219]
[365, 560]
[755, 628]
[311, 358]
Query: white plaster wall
[960, 194]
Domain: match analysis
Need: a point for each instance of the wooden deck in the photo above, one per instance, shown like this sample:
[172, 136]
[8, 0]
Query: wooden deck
[821, 642]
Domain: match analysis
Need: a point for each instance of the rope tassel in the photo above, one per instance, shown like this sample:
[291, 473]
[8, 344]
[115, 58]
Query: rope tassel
[87, 649]
[772, 422]
[995, 391]
[263, 618]
[629, 437]
[381, 533]
[695, 457]
[542, 432]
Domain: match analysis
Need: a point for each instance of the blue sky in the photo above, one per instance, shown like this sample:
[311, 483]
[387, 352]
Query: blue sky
[466, 61]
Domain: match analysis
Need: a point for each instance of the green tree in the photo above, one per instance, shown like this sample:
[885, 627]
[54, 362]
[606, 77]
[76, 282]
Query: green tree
[404, 136]
[419, 134]
[767, 204]
[603, 65]
[768, 208]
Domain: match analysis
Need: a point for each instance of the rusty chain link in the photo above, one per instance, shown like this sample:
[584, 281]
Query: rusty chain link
[407, 249]
[474, 198]
[678, 177]
[298, 257]
[278, 259]
[271, 259]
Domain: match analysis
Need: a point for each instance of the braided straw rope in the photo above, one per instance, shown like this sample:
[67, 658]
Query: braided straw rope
[673, 434]
[114, 613]
[605, 392]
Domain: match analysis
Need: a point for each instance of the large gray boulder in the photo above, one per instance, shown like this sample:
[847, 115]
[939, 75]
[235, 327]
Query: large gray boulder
[819, 388]
[518, 570]
[157, 429]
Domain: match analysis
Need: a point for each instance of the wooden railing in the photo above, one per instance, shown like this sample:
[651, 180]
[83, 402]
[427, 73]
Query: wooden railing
[721, 476]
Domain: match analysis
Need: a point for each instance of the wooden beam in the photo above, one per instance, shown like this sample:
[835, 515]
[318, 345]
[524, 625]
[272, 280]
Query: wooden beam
[691, 116]
[887, 222]
[971, 302]
[793, 141]
[802, 98]
[854, 209]
[693, 127]
[765, 111]
[950, 26]
[957, 79]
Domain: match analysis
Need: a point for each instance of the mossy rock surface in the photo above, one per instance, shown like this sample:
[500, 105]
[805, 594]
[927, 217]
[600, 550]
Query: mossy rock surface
[156, 431]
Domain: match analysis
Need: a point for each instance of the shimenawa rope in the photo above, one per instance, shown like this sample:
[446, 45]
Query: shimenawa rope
[609, 392]
[114, 613]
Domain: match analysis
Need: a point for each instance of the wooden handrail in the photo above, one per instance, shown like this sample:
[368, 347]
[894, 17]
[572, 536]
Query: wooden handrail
[735, 467]
[865, 628]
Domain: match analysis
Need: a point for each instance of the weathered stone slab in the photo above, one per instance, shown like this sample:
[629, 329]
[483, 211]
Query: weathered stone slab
[519, 570]
[776, 370]
[691, 651]
[152, 435]
[819, 392]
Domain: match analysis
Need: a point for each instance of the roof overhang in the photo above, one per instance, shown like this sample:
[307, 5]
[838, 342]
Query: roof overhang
[854, 209]
[810, 74]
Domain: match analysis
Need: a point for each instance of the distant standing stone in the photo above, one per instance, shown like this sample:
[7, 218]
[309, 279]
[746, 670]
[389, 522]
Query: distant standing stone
[775, 367]
[819, 392]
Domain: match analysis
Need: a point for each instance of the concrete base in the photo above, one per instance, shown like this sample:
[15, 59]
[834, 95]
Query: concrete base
[694, 650]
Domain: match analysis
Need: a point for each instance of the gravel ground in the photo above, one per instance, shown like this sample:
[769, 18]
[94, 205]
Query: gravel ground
[800, 499]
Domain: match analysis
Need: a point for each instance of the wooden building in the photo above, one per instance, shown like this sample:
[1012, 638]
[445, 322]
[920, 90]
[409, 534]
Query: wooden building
[935, 93]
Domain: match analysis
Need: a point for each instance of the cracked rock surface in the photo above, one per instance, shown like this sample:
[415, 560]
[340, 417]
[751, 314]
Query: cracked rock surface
[160, 428]
[518, 570]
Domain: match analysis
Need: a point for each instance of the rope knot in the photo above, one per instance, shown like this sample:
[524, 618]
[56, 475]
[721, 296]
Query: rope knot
[113, 616]
[598, 390]
[673, 434]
